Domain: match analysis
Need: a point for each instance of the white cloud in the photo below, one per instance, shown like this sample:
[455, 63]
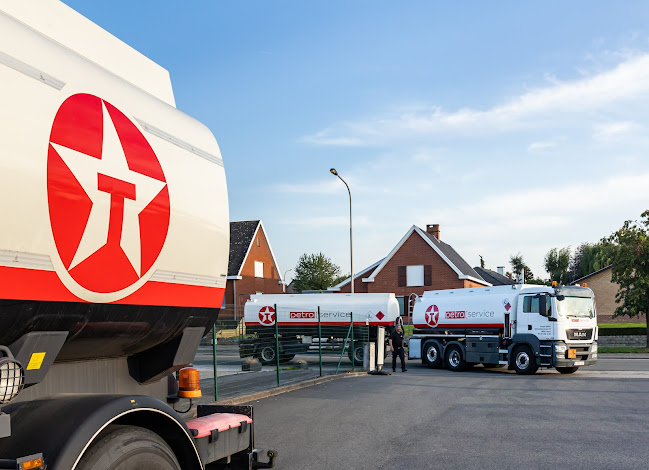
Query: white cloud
[534, 146]
[629, 80]
[614, 130]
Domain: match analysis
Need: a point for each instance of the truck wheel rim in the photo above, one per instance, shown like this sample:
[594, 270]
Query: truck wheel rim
[267, 354]
[431, 354]
[454, 359]
[358, 354]
[522, 360]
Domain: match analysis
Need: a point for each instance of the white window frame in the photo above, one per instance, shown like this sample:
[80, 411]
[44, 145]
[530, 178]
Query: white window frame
[259, 269]
[415, 275]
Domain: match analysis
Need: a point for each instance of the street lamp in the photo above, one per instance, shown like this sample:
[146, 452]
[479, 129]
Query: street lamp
[285, 273]
[351, 245]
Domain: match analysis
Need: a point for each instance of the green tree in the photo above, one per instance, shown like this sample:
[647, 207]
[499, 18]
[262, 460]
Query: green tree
[315, 272]
[589, 258]
[629, 249]
[557, 262]
[518, 264]
[481, 261]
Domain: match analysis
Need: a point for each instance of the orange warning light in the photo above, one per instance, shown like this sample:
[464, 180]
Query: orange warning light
[189, 383]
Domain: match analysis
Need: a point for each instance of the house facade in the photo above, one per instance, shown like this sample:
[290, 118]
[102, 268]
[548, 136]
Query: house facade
[252, 268]
[419, 262]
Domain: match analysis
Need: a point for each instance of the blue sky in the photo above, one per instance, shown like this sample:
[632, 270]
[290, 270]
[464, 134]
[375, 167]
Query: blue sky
[516, 126]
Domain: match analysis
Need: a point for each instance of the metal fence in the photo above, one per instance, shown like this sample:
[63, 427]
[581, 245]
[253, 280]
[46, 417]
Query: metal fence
[284, 347]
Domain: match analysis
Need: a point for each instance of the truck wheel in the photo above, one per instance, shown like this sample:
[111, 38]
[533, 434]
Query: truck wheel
[524, 361]
[129, 448]
[267, 355]
[567, 370]
[432, 355]
[359, 354]
[284, 358]
[454, 359]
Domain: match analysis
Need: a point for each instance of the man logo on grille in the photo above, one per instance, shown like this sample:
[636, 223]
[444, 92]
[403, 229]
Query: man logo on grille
[107, 195]
[432, 315]
[267, 316]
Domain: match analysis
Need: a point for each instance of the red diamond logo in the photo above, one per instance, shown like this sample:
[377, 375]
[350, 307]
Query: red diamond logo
[508, 306]
[380, 315]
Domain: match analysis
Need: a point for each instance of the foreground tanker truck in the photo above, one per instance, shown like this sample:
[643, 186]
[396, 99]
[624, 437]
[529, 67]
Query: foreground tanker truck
[298, 324]
[114, 238]
[524, 327]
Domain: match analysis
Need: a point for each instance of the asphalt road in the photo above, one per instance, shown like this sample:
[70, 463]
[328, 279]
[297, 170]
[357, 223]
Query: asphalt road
[596, 418]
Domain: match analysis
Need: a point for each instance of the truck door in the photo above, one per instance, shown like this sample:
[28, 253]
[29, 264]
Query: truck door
[531, 321]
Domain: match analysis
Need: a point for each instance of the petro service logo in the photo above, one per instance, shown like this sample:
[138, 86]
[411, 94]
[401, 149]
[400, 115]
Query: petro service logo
[107, 195]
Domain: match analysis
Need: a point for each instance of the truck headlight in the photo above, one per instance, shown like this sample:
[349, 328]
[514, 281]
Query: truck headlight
[560, 348]
[594, 348]
[12, 379]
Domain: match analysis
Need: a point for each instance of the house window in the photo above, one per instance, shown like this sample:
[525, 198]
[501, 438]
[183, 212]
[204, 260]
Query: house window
[259, 269]
[415, 275]
[257, 241]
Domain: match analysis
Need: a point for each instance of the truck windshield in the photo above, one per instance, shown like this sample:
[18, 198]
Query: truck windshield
[576, 307]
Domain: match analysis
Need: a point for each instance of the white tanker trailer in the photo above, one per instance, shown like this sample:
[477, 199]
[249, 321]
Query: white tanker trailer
[301, 318]
[521, 326]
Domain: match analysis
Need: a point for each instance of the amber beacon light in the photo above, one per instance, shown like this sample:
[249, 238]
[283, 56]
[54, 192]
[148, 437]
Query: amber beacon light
[189, 383]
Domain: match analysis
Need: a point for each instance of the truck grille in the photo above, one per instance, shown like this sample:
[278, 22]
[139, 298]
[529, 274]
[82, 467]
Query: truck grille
[580, 333]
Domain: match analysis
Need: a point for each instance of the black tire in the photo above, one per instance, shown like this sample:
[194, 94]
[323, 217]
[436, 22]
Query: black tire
[266, 354]
[359, 354]
[128, 448]
[493, 366]
[567, 370]
[284, 358]
[431, 355]
[454, 359]
[523, 361]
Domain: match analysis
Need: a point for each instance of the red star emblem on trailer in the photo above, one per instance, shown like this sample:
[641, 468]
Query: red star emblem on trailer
[107, 195]
[432, 315]
[267, 316]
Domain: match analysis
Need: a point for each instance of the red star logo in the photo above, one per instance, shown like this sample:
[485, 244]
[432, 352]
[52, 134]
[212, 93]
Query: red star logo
[107, 194]
[432, 315]
[267, 316]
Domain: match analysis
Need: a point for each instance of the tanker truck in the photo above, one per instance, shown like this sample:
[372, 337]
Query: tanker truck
[298, 324]
[114, 243]
[524, 327]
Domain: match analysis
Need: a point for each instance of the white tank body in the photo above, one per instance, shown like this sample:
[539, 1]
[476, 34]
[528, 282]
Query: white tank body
[466, 308]
[109, 193]
[335, 309]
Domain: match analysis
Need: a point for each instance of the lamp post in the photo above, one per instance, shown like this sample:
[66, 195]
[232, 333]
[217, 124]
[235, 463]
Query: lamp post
[351, 244]
[284, 278]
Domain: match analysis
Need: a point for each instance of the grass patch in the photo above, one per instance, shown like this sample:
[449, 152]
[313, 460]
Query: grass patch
[622, 349]
[407, 330]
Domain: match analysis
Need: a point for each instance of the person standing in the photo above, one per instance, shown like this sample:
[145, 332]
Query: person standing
[396, 346]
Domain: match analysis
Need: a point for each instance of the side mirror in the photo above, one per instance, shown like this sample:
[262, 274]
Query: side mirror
[544, 309]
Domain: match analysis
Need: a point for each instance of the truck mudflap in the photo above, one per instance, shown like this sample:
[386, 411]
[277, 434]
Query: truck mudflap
[224, 435]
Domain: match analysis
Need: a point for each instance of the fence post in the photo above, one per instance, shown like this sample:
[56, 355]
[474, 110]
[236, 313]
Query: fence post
[320, 341]
[351, 314]
[277, 342]
[216, 390]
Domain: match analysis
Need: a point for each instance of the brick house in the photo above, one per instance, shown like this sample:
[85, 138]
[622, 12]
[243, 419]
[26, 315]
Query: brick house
[252, 268]
[418, 263]
[605, 289]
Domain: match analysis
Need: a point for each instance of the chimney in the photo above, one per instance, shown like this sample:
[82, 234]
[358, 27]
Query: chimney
[434, 229]
[501, 270]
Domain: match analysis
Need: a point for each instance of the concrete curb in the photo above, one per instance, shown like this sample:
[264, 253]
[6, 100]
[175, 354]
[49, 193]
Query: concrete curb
[274, 391]
[286, 388]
